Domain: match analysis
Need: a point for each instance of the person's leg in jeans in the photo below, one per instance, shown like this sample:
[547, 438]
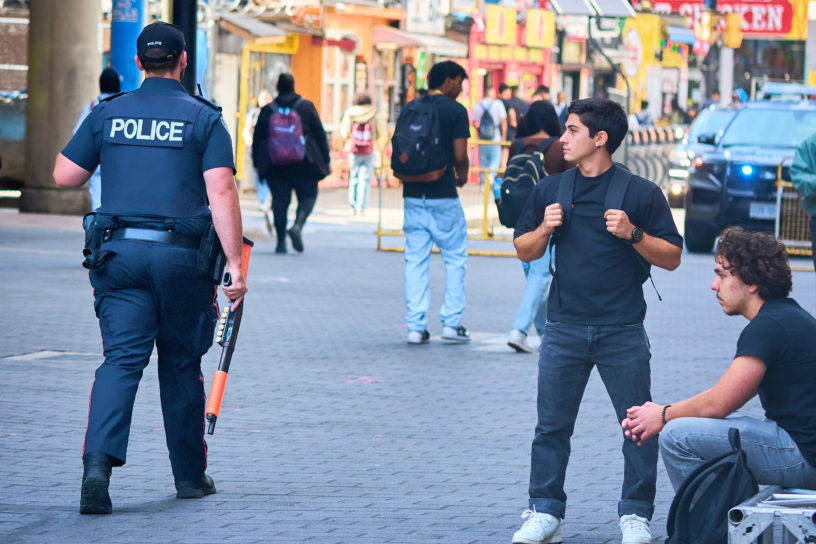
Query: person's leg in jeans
[366, 175]
[449, 231]
[533, 305]
[563, 370]
[418, 244]
[354, 180]
[621, 353]
[773, 456]
[489, 157]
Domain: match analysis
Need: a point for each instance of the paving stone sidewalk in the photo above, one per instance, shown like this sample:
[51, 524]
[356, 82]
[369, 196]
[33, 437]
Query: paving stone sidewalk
[333, 430]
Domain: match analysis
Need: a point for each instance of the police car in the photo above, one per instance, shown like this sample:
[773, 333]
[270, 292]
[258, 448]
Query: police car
[734, 182]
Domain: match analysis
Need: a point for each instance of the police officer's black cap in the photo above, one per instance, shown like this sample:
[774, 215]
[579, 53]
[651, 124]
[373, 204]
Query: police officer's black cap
[160, 42]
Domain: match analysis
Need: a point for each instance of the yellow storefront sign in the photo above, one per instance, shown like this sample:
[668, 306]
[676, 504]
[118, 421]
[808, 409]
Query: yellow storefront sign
[501, 25]
[540, 29]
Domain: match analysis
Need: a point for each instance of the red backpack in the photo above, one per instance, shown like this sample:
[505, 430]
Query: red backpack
[362, 138]
[286, 142]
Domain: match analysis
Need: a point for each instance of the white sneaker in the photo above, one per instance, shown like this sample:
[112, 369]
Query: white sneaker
[459, 334]
[635, 530]
[538, 529]
[419, 337]
[518, 341]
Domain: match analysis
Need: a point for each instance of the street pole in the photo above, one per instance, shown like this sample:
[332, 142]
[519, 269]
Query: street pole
[184, 15]
[726, 74]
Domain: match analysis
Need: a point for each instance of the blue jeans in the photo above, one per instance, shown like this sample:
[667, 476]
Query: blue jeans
[489, 157]
[533, 308]
[361, 171]
[440, 221]
[568, 353]
[773, 456]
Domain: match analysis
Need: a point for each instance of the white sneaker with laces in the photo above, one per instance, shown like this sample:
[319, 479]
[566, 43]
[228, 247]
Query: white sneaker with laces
[459, 334]
[635, 530]
[419, 337]
[518, 341]
[538, 528]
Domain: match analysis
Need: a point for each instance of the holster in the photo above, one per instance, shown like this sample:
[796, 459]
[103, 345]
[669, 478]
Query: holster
[211, 257]
[95, 234]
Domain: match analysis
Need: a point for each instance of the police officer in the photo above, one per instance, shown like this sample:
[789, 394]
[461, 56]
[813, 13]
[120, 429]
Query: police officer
[165, 155]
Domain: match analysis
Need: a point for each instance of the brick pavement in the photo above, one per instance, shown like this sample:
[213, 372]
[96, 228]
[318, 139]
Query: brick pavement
[333, 429]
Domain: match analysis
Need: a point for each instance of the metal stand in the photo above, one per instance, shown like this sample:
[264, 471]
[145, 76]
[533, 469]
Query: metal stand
[753, 521]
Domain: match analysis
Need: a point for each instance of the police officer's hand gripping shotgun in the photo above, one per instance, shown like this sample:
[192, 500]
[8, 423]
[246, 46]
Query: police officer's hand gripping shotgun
[227, 336]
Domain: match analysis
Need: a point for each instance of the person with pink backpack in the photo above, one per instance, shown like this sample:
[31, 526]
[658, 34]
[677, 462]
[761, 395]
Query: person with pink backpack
[290, 151]
[365, 135]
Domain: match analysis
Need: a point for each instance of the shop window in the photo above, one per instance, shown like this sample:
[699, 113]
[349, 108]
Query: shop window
[339, 88]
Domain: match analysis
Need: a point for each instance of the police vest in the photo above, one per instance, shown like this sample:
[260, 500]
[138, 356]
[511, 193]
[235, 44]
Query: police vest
[151, 154]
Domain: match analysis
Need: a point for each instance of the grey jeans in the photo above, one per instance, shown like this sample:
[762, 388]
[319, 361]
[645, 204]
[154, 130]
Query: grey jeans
[773, 456]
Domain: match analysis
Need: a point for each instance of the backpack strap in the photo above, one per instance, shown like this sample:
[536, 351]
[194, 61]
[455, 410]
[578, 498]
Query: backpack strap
[614, 201]
[566, 189]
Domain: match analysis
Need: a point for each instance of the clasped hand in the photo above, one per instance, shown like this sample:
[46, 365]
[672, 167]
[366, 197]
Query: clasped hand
[643, 422]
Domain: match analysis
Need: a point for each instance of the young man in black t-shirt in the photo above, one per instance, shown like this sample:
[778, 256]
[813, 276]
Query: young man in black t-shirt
[434, 215]
[595, 313]
[775, 357]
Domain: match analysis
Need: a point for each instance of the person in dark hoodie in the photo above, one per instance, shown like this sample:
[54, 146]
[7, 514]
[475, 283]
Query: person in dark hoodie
[301, 176]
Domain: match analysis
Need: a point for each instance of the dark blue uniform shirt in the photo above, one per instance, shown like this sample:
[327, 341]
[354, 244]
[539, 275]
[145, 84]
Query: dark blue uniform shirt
[155, 143]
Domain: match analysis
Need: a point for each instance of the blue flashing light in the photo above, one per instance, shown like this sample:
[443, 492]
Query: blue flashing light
[747, 170]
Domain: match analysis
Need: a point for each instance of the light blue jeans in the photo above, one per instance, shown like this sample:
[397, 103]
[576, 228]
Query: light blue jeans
[489, 157]
[430, 221]
[361, 170]
[533, 307]
[773, 456]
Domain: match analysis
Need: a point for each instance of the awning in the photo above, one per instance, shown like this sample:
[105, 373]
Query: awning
[593, 8]
[680, 34]
[250, 28]
[613, 8]
[438, 45]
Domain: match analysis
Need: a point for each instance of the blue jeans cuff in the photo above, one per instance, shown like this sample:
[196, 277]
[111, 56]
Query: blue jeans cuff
[548, 506]
[639, 508]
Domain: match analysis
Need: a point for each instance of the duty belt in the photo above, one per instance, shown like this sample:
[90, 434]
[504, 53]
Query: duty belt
[168, 237]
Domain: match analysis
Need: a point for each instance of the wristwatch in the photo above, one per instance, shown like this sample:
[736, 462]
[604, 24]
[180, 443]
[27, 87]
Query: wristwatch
[637, 235]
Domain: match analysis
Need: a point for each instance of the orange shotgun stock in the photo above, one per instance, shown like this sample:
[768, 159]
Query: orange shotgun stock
[227, 336]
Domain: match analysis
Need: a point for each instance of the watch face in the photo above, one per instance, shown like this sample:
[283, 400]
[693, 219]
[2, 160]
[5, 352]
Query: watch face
[637, 234]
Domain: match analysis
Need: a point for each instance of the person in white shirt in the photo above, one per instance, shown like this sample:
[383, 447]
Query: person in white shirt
[489, 117]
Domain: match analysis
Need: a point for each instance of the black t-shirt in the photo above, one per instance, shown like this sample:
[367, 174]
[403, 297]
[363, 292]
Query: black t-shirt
[453, 124]
[781, 336]
[598, 278]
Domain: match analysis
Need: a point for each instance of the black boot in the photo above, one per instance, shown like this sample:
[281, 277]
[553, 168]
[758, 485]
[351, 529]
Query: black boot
[95, 481]
[280, 249]
[195, 489]
[304, 209]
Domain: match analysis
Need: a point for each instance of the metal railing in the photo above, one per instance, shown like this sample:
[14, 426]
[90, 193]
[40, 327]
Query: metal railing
[792, 222]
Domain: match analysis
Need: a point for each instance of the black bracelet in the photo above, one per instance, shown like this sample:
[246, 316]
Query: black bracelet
[663, 415]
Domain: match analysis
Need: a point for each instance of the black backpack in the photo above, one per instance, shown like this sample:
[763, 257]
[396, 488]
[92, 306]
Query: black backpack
[487, 126]
[698, 513]
[522, 174]
[417, 153]
[612, 200]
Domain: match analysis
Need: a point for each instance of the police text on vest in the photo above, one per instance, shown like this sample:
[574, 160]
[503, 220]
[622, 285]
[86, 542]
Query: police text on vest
[138, 129]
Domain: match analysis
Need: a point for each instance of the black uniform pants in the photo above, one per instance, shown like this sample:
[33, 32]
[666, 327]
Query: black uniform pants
[150, 294]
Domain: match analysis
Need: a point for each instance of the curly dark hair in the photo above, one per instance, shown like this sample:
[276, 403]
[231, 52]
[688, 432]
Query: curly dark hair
[756, 258]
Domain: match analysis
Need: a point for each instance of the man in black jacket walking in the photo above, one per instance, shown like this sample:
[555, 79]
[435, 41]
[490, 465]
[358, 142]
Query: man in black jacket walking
[302, 176]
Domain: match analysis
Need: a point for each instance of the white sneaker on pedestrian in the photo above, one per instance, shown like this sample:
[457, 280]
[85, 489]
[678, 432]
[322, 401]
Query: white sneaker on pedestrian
[538, 529]
[518, 341]
[419, 337]
[635, 530]
[459, 334]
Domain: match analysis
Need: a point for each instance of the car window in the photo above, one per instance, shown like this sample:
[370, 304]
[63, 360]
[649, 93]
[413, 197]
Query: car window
[770, 127]
[710, 122]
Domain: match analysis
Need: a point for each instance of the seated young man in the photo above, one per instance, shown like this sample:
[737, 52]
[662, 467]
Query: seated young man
[775, 357]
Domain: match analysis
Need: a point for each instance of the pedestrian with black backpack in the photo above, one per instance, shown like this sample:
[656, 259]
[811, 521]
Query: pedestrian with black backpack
[775, 358]
[429, 155]
[290, 151]
[608, 226]
[535, 154]
[490, 120]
